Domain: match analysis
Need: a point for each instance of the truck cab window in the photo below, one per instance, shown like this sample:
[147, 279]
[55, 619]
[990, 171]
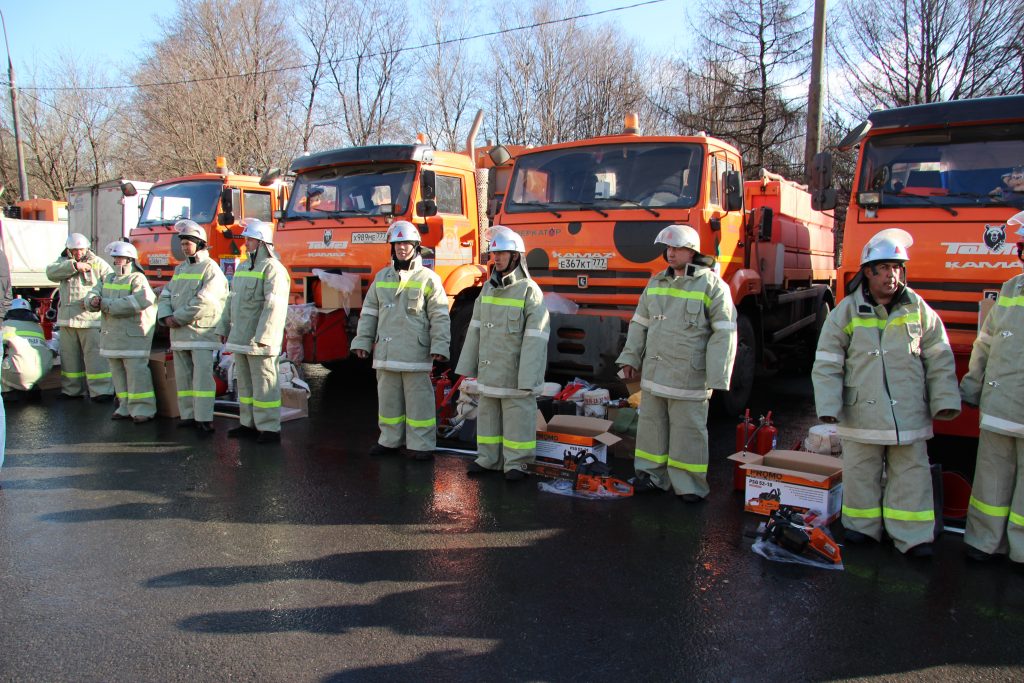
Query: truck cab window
[449, 194]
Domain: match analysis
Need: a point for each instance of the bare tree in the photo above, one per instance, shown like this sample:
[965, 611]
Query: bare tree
[211, 85]
[916, 51]
[443, 96]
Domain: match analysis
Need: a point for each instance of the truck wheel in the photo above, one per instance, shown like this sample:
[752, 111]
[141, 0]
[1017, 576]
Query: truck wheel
[731, 403]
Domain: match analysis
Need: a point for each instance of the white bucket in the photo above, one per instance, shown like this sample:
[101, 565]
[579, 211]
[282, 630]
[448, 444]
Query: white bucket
[595, 403]
[823, 439]
[550, 389]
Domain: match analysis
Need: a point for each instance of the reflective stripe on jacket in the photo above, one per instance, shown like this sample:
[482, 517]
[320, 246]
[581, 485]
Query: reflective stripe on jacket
[257, 307]
[506, 346]
[683, 334]
[195, 296]
[74, 286]
[884, 376]
[129, 316]
[994, 377]
[404, 319]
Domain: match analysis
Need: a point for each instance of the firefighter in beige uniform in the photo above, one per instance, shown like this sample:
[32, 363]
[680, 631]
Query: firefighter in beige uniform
[254, 327]
[404, 323]
[129, 317]
[82, 368]
[995, 514]
[506, 349]
[27, 358]
[683, 340]
[192, 305]
[883, 370]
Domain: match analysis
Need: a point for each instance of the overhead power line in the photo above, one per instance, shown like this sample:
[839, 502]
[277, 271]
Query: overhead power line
[283, 69]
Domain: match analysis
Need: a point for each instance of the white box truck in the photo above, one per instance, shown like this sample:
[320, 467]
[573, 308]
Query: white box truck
[107, 211]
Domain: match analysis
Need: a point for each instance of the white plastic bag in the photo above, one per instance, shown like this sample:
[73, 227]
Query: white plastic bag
[346, 283]
[556, 303]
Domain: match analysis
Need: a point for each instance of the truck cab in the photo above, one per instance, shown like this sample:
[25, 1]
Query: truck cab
[341, 206]
[951, 174]
[590, 210]
[218, 201]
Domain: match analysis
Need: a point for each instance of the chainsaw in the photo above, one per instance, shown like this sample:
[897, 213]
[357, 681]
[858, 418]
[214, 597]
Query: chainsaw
[788, 529]
[587, 474]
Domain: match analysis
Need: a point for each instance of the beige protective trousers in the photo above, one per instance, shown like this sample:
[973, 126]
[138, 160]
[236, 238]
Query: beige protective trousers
[995, 516]
[197, 390]
[82, 369]
[906, 509]
[133, 385]
[672, 444]
[259, 392]
[405, 410]
[506, 432]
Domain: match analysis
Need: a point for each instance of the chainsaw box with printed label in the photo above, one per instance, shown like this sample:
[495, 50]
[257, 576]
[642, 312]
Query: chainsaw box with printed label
[572, 436]
[805, 481]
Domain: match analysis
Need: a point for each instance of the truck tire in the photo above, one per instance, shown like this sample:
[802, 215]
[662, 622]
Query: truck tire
[732, 403]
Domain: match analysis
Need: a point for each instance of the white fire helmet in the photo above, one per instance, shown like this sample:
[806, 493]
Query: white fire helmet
[259, 230]
[890, 244]
[20, 304]
[120, 248]
[679, 236]
[189, 228]
[77, 240]
[505, 239]
[403, 231]
[1016, 221]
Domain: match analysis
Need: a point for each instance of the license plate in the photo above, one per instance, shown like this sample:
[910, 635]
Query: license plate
[369, 237]
[586, 263]
[159, 259]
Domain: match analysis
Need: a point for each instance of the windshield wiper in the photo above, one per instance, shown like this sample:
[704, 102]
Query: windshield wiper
[580, 206]
[631, 202]
[539, 205]
[927, 200]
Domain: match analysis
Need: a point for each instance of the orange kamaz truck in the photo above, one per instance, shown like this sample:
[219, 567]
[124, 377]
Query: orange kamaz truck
[950, 173]
[219, 201]
[342, 203]
[589, 212]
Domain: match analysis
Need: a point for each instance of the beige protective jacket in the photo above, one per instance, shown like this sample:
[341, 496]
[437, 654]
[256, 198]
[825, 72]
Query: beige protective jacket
[993, 379]
[257, 307]
[195, 297]
[129, 316]
[404, 319]
[506, 346]
[74, 287]
[683, 334]
[884, 376]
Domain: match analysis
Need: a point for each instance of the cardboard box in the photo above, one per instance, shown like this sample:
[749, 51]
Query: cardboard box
[164, 384]
[805, 481]
[331, 298]
[572, 436]
[294, 404]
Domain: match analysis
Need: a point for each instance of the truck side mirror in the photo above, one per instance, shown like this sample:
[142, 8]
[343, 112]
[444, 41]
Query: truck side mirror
[128, 189]
[733, 191]
[426, 208]
[428, 185]
[763, 219]
[499, 155]
[823, 196]
[227, 216]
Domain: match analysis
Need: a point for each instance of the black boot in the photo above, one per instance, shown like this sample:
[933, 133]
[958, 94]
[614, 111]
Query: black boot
[243, 432]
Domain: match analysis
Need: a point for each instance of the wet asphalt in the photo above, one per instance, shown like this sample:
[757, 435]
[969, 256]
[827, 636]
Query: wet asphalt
[147, 553]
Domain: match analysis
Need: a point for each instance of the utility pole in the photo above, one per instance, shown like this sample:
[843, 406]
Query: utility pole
[813, 142]
[22, 176]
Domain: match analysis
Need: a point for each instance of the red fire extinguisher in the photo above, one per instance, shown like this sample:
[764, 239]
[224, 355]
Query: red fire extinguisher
[441, 387]
[754, 439]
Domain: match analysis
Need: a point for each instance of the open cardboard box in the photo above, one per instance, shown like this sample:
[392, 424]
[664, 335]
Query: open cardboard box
[164, 384]
[802, 480]
[572, 436]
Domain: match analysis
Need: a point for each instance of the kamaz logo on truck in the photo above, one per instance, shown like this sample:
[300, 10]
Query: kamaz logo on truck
[1001, 248]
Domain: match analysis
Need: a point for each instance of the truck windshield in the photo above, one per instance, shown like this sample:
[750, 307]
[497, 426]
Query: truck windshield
[352, 190]
[612, 176]
[964, 166]
[195, 199]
